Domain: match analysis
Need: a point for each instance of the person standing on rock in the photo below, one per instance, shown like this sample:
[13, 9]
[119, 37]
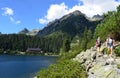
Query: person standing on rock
[98, 44]
[109, 44]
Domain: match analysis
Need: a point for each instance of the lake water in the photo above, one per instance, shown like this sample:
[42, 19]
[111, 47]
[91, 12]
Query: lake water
[23, 66]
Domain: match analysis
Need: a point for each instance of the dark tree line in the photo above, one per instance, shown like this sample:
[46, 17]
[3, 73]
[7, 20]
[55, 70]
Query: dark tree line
[21, 42]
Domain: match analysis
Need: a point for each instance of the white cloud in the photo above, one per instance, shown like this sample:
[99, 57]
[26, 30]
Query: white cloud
[10, 13]
[42, 21]
[57, 11]
[54, 12]
[14, 21]
[7, 11]
[11, 18]
[93, 7]
[18, 22]
[89, 7]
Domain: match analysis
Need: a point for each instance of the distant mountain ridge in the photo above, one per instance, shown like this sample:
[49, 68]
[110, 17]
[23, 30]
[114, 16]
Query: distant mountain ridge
[27, 32]
[33, 32]
[72, 24]
[97, 16]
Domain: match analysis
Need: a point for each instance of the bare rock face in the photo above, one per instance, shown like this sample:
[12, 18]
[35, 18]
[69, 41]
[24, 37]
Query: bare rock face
[99, 66]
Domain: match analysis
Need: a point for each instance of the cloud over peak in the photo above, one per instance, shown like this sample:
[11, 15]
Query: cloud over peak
[88, 7]
[55, 11]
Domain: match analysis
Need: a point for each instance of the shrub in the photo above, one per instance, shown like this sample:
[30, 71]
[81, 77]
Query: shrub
[118, 66]
[67, 56]
[117, 51]
[105, 50]
[64, 69]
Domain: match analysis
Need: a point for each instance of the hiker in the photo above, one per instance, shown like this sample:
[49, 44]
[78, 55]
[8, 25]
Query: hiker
[109, 44]
[98, 44]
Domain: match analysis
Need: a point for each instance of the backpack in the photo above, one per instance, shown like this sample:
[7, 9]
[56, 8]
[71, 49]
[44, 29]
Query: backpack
[110, 41]
[98, 43]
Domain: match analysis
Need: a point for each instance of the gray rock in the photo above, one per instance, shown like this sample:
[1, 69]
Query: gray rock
[117, 60]
[103, 72]
[94, 48]
[102, 66]
[93, 55]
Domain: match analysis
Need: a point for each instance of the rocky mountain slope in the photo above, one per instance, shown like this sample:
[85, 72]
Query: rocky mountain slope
[99, 66]
[71, 24]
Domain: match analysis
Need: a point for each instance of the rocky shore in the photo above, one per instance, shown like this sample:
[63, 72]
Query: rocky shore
[99, 66]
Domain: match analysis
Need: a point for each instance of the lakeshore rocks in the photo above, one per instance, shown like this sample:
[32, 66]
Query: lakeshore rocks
[99, 65]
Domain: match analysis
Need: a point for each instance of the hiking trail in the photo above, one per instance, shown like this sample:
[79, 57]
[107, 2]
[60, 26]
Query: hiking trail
[99, 66]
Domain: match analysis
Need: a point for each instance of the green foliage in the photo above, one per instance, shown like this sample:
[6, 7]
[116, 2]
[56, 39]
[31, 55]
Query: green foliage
[66, 45]
[110, 25]
[117, 50]
[67, 56]
[74, 49]
[106, 50]
[64, 69]
[86, 40]
[118, 66]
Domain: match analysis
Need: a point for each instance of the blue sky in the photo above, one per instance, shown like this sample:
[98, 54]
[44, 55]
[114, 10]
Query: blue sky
[18, 14]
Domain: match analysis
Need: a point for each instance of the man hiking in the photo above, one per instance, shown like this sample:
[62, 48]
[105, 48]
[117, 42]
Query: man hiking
[109, 44]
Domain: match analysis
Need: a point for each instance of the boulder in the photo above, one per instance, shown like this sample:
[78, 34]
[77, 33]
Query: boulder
[117, 60]
[103, 72]
[95, 68]
[93, 55]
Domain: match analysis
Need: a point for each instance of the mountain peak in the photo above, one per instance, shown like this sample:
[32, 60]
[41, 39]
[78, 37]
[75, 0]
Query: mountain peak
[97, 17]
[72, 24]
[77, 12]
[33, 32]
[24, 31]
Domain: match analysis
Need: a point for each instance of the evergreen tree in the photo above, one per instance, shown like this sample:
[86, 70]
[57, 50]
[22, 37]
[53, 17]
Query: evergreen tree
[66, 45]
